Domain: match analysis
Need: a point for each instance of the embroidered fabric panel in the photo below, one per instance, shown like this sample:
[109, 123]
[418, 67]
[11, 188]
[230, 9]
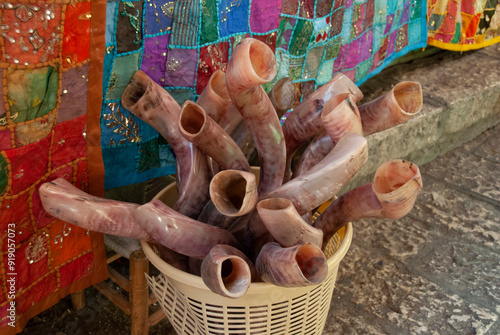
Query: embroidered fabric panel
[137, 37]
[182, 42]
[465, 25]
[45, 65]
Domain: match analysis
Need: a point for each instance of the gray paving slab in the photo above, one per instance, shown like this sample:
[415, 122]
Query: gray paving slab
[388, 290]
[435, 271]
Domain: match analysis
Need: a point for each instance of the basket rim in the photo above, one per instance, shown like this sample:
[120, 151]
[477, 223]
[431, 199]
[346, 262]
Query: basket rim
[256, 288]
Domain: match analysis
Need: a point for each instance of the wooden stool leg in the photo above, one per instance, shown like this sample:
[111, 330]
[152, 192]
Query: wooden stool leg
[78, 300]
[139, 293]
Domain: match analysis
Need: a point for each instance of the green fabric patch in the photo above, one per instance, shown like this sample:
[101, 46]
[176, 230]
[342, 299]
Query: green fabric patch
[32, 93]
[333, 48]
[416, 9]
[149, 156]
[363, 69]
[301, 37]
[295, 69]
[123, 69]
[456, 37]
[325, 73]
[181, 95]
[208, 22]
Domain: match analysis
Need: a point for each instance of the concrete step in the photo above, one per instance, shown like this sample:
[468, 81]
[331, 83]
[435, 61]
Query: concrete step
[461, 93]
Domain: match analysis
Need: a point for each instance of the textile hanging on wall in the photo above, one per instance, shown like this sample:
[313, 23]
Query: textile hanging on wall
[43, 116]
[180, 43]
[463, 25]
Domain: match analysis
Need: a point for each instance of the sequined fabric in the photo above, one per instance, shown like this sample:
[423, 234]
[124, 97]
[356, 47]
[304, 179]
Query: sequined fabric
[44, 69]
[182, 42]
[463, 25]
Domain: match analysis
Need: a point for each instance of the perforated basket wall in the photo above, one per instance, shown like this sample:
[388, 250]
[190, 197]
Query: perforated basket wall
[265, 309]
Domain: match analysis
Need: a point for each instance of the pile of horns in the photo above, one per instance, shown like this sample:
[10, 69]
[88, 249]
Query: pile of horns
[226, 226]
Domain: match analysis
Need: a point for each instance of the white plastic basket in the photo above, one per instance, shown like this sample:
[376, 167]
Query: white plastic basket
[192, 308]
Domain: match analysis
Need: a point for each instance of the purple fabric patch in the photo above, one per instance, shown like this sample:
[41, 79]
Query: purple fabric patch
[154, 57]
[180, 69]
[405, 17]
[73, 93]
[265, 15]
[339, 61]
[392, 43]
[388, 23]
[351, 59]
[366, 47]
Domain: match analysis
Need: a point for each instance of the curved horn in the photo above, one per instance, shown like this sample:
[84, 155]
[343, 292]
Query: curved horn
[64, 201]
[300, 265]
[227, 271]
[391, 195]
[201, 130]
[326, 178]
[215, 98]
[285, 224]
[305, 119]
[340, 115]
[251, 65]
[234, 192]
[154, 105]
[394, 107]
[179, 232]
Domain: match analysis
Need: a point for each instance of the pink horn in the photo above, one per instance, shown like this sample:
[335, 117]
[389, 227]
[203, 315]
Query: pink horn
[155, 106]
[300, 265]
[282, 97]
[214, 99]
[179, 232]
[251, 65]
[227, 271]
[326, 178]
[285, 224]
[201, 130]
[391, 195]
[394, 107]
[340, 115]
[305, 119]
[64, 201]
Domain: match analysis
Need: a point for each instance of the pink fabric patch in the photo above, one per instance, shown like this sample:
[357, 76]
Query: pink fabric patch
[265, 15]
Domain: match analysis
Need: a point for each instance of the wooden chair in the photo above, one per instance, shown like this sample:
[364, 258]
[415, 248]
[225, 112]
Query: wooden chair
[137, 302]
[139, 296]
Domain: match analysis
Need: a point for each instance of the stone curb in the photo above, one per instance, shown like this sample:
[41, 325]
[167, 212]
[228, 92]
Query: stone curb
[461, 100]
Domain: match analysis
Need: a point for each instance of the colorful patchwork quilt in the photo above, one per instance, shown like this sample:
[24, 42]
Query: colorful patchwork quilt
[43, 129]
[180, 43]
[463, 25]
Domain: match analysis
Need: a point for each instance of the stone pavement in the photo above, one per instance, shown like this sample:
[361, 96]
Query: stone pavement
[435, 271]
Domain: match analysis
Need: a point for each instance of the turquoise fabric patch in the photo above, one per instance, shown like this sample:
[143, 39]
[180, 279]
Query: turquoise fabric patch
[111, 21]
